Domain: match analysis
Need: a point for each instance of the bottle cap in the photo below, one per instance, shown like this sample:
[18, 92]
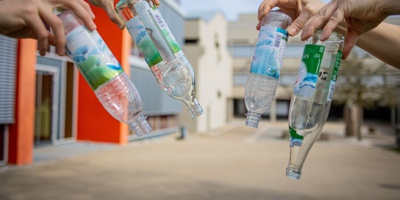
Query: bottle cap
[293, 173]
[196, 110]
[252, 119]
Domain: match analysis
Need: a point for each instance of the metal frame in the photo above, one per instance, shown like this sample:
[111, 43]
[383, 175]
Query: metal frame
[58, 136]
[61, 132]
[55, 98]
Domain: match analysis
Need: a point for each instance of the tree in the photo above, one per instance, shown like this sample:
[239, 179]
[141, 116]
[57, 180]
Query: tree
[364, 82]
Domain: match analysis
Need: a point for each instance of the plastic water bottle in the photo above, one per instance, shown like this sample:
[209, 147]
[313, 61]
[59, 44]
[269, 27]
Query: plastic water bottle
[312, 97]
[103, 73]
[262, 80]
[161, 51]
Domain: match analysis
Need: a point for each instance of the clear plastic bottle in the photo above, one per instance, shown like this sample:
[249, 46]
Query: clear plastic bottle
[312, 97]
[161, 51]
[262, 80]
[103, 73]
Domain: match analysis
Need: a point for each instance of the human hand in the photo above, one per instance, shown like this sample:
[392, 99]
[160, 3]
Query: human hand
[33, 18]
[299, 10]
[108, 6]
[360, 16]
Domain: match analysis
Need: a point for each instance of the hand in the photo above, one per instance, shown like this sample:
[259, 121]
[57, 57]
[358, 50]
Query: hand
[33, 18]
[300, 10]
[360, 16]
[108, 6]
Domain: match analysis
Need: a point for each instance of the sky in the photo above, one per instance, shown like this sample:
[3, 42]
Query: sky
[231, 8]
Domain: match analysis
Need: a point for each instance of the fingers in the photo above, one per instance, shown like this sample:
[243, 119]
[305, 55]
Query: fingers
[81, 12]
[42, 34]
[317, 21]
[264, 8]
[113, 15]
[298, 23]
[309, 27]
[156, 2]
[56, 24]
[86, 6]
[258, 25]
[349, 42]
[331, 25]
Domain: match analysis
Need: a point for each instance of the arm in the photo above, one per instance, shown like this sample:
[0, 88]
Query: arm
[382, 42]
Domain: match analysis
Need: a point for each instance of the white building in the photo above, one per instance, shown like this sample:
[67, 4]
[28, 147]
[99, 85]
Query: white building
[206, 38]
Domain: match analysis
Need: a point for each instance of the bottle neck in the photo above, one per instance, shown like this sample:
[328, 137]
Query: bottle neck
[195, 108]
[140, 126]
[252, 119]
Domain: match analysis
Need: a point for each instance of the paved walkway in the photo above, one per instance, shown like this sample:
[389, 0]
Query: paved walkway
[232, 163]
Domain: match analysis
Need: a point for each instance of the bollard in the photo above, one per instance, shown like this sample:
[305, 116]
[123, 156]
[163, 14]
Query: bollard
[183, 130]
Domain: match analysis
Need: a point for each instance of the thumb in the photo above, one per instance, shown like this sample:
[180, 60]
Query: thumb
[258, 25]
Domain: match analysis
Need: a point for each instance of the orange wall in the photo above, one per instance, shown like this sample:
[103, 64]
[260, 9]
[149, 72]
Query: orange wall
[94, 122]
[21, 132]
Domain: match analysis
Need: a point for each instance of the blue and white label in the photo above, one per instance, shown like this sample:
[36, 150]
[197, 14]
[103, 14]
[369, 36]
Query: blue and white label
[269, 51]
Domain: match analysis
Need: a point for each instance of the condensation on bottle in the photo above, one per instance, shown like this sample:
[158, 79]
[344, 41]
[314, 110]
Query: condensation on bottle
[161, 51]
[262, 80]
[103, 73]
[312, 97]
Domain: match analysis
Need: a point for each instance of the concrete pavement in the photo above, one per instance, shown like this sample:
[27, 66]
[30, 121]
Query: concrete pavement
[234, 162]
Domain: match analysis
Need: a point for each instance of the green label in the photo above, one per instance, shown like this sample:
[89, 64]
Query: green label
[295, 139]
[171, 40]
[92, 56]
[143, 41]
[312, 57]
[337, 66]
[294, 135]
[165, 30]
[97, 73]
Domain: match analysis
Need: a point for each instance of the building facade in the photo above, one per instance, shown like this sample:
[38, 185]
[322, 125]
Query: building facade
[206, 48]
[45, 100]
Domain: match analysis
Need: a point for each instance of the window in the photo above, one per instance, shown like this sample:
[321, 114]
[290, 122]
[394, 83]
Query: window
[191, 40]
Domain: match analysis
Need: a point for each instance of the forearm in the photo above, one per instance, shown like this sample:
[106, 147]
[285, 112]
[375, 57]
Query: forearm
[382, 42]
[390, 7]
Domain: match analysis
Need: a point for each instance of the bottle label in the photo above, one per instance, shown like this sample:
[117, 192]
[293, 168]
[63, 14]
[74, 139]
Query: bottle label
[268, 54]
[143, 41]
[295, 139]
[164, 29]
[334, 75]
[92, 56]
[309, 68]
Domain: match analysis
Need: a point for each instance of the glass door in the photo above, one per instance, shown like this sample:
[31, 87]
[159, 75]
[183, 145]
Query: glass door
[68, 100]
[46, 105]
[56, 99]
